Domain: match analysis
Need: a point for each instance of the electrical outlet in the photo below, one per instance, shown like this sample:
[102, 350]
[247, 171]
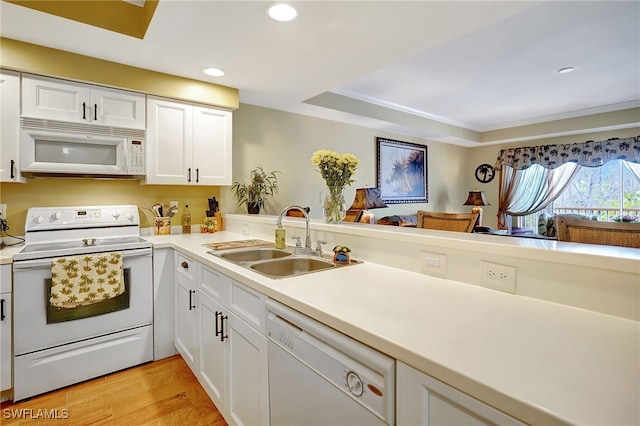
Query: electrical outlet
[3, 211]
[498, 277]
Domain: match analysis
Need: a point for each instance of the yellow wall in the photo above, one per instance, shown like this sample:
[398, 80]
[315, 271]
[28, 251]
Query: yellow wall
[26, 57]
[78, 192]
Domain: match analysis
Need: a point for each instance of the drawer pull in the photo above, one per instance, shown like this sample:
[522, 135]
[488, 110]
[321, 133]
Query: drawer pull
[2, 315]
[185, 265]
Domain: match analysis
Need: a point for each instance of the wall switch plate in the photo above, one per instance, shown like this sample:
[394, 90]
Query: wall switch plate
[431, 263]
[3, 211]
[498, 277]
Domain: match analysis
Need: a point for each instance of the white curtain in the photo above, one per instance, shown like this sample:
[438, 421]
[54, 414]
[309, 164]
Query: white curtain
[527, 191]
[634, 168]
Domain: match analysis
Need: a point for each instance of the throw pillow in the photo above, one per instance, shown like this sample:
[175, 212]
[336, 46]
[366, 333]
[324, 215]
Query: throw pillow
[542, 223]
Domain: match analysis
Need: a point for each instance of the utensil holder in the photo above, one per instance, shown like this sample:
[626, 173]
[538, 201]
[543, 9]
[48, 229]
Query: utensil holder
[162, 226]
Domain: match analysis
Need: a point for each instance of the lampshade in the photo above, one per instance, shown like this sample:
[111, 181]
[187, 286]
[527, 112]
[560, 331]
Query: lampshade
[367, 198]
[476, 198]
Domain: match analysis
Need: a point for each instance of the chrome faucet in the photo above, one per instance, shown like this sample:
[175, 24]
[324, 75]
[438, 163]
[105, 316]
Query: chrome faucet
[307, 242]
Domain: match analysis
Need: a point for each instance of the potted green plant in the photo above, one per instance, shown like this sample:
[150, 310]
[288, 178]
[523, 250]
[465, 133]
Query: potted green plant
[263, 184]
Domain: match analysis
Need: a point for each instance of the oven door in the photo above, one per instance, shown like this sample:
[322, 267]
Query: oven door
[35, 328]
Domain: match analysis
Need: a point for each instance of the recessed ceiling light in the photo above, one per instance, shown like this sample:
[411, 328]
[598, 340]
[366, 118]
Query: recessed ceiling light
[565, 70]
[214, 72]
[282, 12]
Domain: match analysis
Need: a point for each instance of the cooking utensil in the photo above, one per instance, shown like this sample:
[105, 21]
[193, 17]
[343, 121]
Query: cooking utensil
[171, 211]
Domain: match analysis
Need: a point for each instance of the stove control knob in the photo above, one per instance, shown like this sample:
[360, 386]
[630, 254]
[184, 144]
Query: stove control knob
[115, 214]
[38, 219]
[354, 383]
[56, 216]
[129, 216]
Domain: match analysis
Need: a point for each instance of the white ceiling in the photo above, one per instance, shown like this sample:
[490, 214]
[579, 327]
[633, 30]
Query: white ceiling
[473, 64]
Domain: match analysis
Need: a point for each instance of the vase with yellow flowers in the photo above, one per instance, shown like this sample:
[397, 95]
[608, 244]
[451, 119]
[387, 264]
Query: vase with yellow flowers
[336, 170]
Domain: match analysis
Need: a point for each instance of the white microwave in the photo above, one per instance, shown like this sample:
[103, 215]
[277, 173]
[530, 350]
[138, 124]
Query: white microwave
[67, 153]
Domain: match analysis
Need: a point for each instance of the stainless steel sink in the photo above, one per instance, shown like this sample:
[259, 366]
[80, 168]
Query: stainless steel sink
[276, 263]
[254, 254]
[291, 266]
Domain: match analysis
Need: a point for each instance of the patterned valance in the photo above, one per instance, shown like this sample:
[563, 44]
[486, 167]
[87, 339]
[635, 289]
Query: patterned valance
[590, 154]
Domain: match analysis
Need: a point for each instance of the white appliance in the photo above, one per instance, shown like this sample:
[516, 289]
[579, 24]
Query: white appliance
[318, 376]
[49, 147]
[56, 347]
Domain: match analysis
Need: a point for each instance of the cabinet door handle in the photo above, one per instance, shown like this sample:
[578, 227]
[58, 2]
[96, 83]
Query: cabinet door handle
[222, 320]
[191, 305]
[2, 315]
[185, 265]
[218, 315]
[13, 166]
[95, 112]
[84, 111]
[197, 175]
[189, 174]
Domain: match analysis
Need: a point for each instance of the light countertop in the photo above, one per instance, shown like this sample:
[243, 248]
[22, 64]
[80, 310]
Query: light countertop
[540, 362]
[6, 253]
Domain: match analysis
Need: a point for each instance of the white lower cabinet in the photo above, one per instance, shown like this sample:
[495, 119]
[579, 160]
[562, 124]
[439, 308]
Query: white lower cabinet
[423, 400]
[213, 351]
[248, 383]
[6, 357]
[163, 304]
[223, 340]
[185, 312]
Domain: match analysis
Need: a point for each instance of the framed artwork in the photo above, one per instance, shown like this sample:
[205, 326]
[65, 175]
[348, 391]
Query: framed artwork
[402, 171]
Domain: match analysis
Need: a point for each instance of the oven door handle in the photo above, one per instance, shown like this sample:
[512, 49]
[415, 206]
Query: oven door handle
[43, 263]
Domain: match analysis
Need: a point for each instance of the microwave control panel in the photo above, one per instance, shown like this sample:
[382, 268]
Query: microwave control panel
[136, 156]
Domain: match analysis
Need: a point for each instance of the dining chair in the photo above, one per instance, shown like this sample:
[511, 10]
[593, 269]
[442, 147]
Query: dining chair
[596, 232]
[459, 222]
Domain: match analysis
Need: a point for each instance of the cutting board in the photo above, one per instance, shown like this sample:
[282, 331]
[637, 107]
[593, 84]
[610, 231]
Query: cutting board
[238, 244]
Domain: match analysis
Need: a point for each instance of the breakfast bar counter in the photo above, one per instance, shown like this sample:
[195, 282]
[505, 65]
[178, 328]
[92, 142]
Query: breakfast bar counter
[538, 361]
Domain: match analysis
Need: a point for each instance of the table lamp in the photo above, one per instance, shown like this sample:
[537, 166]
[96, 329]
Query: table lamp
[366, 198]
[477, 199]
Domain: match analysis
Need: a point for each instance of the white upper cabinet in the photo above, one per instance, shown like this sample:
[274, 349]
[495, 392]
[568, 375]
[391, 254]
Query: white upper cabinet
[10, 127]
[187, 144]
[63, 100]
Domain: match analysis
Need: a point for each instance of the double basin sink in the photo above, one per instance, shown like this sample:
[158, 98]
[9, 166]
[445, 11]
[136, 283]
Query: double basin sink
[277, 263]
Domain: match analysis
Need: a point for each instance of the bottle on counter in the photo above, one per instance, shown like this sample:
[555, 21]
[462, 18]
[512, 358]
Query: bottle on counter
[280, 237]
[186, 220]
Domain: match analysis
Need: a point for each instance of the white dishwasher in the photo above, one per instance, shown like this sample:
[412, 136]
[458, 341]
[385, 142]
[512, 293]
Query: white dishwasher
[318, 376]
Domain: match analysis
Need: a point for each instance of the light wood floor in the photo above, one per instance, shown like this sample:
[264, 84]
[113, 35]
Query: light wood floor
[163, 392]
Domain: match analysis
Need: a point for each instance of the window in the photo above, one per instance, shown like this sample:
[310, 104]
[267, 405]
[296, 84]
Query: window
[604, 192]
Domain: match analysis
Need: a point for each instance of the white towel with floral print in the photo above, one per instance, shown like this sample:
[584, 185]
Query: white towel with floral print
[83, 280]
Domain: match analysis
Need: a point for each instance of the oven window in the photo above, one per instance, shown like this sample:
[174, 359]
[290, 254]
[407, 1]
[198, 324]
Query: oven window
[117, 303]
